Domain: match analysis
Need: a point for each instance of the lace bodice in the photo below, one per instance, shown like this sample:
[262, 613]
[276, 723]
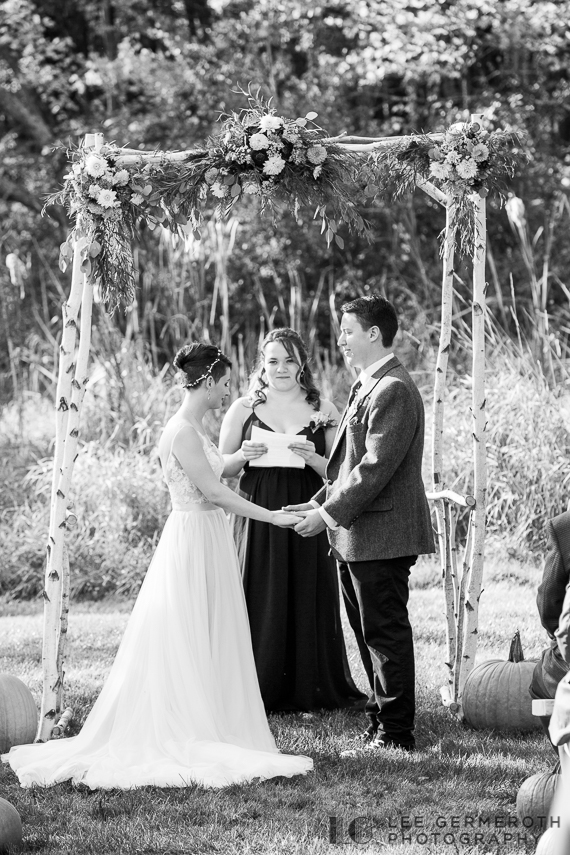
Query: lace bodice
[183, 493]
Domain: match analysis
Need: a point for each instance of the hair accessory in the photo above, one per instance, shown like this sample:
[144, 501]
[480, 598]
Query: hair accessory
[204, 376]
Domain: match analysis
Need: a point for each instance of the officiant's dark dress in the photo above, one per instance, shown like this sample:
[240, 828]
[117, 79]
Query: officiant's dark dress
[291, 591]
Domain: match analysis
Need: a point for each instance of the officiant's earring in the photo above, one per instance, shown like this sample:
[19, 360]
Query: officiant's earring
[209, 392]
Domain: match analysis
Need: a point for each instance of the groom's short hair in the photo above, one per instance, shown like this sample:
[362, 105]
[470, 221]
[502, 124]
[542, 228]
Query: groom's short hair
[374, 311]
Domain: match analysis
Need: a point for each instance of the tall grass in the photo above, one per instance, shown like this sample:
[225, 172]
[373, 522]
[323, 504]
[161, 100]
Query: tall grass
[528, 441]
[121, 501]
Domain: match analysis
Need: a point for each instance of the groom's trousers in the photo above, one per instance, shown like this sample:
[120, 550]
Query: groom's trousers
[376, 598]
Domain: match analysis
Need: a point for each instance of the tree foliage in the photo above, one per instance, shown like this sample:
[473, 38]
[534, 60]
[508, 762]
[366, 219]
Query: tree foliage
[157, 73]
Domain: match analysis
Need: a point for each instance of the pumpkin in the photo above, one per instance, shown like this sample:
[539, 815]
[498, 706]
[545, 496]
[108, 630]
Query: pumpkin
[18, 713]
[10, 827]
[554, 841]
[535, 797]
[496, 692]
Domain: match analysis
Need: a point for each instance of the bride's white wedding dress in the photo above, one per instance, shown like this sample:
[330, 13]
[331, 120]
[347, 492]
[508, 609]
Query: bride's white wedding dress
[181, 704]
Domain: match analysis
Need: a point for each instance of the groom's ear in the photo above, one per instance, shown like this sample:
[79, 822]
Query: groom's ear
[374, 333]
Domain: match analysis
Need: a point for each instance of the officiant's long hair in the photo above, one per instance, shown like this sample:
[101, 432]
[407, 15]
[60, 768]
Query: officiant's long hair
[295, 347]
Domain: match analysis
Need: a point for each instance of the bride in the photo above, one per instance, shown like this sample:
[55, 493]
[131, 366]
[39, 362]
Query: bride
[182, 703]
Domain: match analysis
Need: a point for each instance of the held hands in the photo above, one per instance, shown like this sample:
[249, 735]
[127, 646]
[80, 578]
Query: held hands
[284, 519]
[252, 450]
[312, 524]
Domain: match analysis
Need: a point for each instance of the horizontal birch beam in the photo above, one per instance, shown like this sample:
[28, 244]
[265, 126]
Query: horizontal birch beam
[451, 496]
[431, 190]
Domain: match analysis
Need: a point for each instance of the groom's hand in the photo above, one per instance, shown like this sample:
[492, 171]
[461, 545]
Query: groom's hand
[294, 508]
[312, 524]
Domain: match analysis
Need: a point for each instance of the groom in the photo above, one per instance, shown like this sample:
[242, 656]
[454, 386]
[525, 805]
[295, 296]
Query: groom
[376, 513]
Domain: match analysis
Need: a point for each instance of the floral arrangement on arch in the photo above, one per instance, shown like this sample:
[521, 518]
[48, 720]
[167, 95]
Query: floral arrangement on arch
[257, 153]
[463, 161]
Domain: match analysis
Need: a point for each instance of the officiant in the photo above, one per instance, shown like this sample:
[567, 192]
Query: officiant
[290, 583]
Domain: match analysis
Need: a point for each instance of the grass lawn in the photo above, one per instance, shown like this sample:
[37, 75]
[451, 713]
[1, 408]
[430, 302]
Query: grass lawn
[455, 794]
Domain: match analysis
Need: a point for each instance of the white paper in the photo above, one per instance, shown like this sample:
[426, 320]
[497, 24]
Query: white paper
[278, 453]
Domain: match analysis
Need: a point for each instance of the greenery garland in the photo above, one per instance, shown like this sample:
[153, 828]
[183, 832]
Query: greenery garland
[256, 153]
[467, 160]
[260, 154]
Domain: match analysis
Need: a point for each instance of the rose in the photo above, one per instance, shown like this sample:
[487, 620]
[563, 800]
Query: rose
[137, 199]
[258, 142]
[95, 165]
[321, 420]
[316, 154]
[270, 123]
[274, 165]
[94, 191]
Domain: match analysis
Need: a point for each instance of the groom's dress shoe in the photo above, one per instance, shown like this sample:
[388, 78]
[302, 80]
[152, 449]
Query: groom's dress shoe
[382, 740]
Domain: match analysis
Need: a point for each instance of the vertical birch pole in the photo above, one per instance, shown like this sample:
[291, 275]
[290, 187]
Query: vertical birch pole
[72, 378]
[54, 567]
[437, 442]
[479, 444]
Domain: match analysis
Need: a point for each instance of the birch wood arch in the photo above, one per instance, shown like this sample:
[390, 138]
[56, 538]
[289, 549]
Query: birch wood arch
[461, 579]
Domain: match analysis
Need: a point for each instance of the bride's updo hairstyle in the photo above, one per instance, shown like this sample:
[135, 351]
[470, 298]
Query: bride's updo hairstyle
[196, 362]
[295, 347]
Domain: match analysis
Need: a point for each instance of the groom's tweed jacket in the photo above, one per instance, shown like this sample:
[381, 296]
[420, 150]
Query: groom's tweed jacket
[374, 486]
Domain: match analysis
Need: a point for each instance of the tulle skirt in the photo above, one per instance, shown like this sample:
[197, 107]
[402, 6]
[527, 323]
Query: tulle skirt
[182, 703]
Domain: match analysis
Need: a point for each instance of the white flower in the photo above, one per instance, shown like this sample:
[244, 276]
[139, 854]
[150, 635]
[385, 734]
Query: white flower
[316, 154]
[480, 152]
[274, 165]
[210, 175]
[108, 199]
[121, 177]
[258, 142]
[435, 153]
[453, 157]
[317, 171]
[457, 129]
[95, 165]
[249, 186]
[439, 170]
[467, 168]
[219, 190]
[137, 199]
[94, 190]
[270, 123]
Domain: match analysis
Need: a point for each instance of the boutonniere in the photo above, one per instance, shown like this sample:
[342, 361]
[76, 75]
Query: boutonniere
[322, 420]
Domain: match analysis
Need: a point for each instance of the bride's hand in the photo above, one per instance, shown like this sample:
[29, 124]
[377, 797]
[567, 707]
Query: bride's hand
[285, 520]
[252, 450]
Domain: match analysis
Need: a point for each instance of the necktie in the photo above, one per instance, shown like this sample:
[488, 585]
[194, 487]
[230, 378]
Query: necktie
[354, 392]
